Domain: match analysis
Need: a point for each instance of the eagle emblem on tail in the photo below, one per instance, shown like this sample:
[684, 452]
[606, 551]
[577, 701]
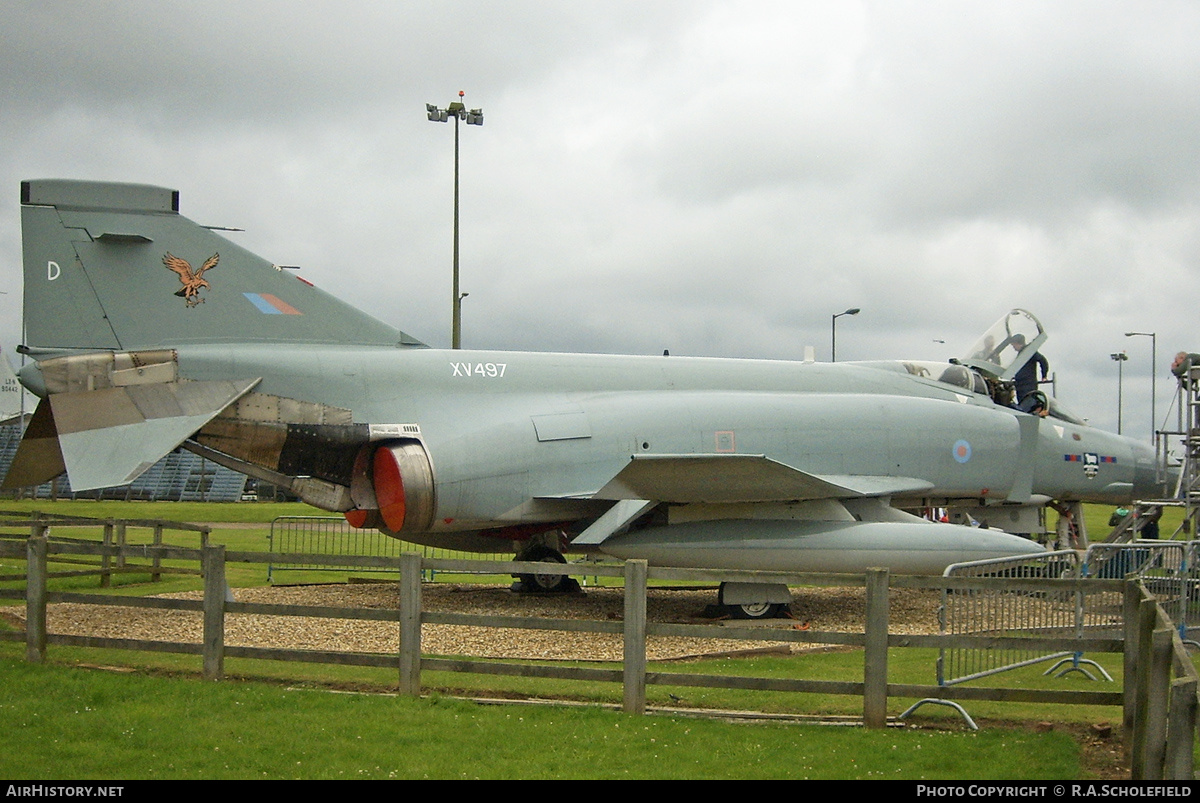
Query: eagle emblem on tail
[193, 280]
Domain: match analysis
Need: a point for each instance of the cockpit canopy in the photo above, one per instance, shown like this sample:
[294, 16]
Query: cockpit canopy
[963, 377]
[1006, 346]
[949, 373]
[990, 365]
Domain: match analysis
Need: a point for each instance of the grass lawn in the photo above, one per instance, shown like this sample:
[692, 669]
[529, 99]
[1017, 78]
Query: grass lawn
[67, 723]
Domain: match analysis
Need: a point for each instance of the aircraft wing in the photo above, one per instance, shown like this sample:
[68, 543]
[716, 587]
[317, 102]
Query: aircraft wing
[724, 478]
[717, 478]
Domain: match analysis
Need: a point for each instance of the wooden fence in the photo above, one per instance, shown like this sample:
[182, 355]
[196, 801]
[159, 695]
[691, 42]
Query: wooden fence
[1159, 698]
[113, 532]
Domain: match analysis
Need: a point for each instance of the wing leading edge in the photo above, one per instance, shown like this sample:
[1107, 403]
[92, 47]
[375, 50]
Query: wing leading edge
[719, 478]
[725, 479]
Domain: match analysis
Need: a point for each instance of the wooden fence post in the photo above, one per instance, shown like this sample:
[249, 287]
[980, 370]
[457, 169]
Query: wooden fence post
[875, 656]
[35, 594]
[213, 564]
[1181, 727]
[1130, 616]
[1143, 651]
[635, 637]
[156, 562]
[1157, 701]
[119, 539]
[410, 623]
[105, 558]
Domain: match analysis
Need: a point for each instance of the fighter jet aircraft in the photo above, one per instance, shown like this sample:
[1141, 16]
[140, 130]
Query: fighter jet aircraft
[149, 332]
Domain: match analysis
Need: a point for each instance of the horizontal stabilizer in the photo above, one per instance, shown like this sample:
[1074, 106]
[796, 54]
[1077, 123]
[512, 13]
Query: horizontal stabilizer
[38, 458]
[722, 478]
[111, 436]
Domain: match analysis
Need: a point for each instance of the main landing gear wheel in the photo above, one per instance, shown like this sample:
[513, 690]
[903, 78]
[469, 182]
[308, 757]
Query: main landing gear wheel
[545, 583]
[753, 602]
[755, 610]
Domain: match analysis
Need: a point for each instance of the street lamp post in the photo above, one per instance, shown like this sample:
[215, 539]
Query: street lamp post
[1120, 357]
[1153, 378]
[833, 332]
[473, 117]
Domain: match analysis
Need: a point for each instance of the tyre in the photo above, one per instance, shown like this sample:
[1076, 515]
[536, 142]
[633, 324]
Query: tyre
[545, 583]
[755, 610]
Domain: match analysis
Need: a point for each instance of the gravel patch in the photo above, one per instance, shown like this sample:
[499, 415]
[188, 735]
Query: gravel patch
[824, 609]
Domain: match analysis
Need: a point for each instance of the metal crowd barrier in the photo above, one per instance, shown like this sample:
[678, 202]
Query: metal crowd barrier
[1032, 614]
[1168, 569]
[324, 535]
[317, 536]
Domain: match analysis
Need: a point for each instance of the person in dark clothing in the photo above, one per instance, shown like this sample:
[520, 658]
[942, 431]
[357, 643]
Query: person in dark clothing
[1026, 380]
[1150, 517]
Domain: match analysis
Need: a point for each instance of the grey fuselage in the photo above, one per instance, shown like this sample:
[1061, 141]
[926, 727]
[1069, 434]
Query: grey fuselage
[504, 427]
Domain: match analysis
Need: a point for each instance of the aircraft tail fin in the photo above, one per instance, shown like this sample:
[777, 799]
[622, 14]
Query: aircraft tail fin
[115, 266]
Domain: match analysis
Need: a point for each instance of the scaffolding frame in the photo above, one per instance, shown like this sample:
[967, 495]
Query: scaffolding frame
[1188, 489]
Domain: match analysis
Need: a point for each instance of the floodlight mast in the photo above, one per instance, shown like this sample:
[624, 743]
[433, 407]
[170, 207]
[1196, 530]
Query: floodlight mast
[833, 331]
[1153, 380]
[473, 117]
[1120, 357]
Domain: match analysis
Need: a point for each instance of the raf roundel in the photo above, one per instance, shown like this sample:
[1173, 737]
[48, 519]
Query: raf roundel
[962, 451]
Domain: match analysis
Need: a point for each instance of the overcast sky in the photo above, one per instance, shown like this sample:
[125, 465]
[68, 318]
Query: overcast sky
[713, 178]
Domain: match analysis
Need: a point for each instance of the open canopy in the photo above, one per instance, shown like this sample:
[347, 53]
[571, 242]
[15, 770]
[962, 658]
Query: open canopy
[1006, 346]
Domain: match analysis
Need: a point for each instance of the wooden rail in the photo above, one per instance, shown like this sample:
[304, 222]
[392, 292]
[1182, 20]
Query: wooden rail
[115, 532]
